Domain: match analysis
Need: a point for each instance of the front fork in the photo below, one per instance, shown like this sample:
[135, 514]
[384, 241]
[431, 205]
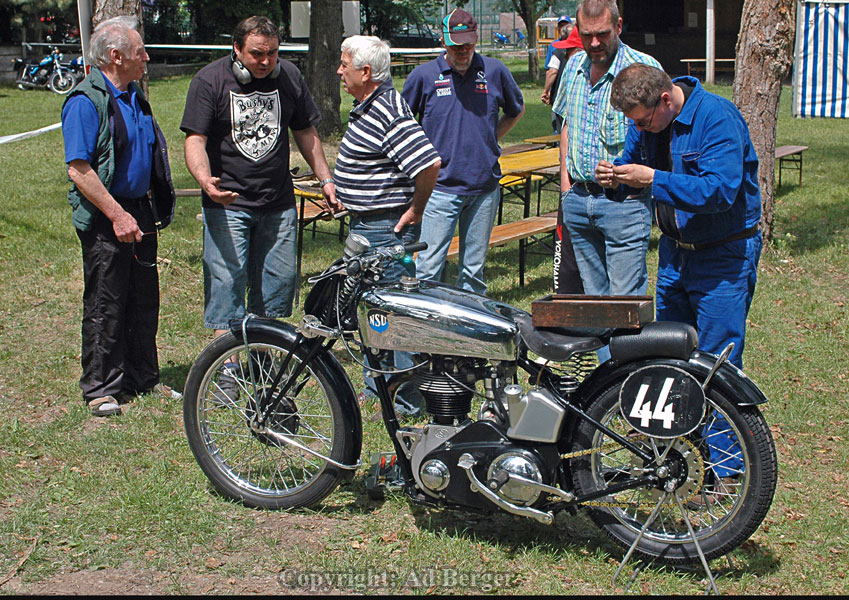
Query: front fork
[386, 394]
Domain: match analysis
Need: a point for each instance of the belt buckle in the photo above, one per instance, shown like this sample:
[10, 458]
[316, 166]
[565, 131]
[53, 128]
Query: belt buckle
[686, 246]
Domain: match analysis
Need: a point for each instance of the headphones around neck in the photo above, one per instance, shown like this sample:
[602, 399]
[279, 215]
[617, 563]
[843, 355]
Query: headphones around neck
[243, 75]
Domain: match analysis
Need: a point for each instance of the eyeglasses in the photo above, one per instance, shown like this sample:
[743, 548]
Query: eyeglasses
[136, 253]
[642, 122]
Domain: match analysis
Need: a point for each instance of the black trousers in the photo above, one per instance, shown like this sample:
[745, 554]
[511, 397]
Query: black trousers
[120, 308]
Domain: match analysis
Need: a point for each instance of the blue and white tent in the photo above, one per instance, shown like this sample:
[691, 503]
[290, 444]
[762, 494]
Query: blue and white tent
[821, 67]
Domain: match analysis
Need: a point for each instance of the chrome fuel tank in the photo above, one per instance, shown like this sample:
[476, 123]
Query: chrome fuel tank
[424, 316]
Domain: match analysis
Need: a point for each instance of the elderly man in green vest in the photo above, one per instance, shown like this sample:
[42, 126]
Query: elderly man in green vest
[121, 195]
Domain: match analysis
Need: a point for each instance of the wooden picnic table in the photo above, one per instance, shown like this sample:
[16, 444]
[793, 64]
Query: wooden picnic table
[523, 164]
[516, 148]
[549, 140]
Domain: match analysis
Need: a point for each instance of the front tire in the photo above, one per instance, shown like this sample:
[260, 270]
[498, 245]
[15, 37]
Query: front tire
[723, 510]
[62, 82]
[242, 462]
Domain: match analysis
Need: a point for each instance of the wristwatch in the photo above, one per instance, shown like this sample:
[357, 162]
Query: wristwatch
[324, 182]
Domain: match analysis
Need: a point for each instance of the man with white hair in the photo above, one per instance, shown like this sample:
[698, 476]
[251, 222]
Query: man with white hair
[120, 197]
[386, 168]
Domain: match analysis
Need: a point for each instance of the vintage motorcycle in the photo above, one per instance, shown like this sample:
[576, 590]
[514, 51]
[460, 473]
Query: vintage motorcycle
[50, 73]
[273, 419]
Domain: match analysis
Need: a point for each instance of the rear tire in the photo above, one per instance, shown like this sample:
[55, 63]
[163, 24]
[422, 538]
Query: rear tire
[246, 465]
[724, 512]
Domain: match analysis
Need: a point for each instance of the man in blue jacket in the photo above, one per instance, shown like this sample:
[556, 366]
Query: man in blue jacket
[693, 150]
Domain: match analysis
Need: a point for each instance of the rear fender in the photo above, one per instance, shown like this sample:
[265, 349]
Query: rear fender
[735, 385]
[339, 380]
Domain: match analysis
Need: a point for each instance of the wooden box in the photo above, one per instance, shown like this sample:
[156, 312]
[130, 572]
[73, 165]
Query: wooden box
[617, 312]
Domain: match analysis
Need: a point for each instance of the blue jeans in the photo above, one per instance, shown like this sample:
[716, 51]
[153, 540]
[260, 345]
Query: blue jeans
[476, 215]
[378, 229]
[711, 290]
[253, 252]
[610, 240]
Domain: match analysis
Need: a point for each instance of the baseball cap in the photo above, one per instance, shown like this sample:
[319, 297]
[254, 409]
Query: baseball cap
[459, 27]
[574, 39]
[564, 18]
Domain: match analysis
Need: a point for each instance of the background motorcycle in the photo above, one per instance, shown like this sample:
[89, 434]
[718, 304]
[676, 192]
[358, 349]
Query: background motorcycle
[501, 39]
[273, 420]
[50, 73]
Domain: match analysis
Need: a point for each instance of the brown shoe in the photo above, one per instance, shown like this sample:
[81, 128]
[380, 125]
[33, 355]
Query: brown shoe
[105, 406]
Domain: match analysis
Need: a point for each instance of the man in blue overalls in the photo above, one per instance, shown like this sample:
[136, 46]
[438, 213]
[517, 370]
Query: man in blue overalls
[693, 150]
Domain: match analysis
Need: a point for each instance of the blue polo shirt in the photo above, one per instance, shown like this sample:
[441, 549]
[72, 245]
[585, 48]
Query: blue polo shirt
[459, 114]
[132, 169]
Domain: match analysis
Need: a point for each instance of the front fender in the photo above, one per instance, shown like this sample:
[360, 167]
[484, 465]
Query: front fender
[339, 380]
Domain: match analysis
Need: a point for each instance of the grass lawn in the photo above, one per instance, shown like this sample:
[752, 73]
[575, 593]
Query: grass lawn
[120, 506]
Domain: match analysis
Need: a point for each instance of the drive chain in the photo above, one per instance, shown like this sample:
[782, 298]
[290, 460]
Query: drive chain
[646, 505]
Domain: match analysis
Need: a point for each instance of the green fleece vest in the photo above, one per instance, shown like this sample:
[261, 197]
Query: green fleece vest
[93, 87]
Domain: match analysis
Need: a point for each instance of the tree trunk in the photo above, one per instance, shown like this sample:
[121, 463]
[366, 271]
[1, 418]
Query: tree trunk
[106, 9]
[322, 61]
[764, 58]
[530, 11]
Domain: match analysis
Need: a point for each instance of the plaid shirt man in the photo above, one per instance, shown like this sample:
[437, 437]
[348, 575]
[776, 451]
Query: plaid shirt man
[596, 130]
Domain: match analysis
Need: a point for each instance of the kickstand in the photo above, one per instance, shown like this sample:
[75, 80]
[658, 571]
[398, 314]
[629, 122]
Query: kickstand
[698, 546]
[646, 525]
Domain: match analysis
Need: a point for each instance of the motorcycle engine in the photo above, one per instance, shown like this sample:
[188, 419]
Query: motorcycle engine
[447, 384]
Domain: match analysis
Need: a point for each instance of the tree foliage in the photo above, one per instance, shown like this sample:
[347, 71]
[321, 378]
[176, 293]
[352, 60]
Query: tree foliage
[213, 20]
[36, 20]
[384, 17]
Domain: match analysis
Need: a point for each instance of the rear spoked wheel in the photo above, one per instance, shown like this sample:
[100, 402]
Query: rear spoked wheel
[725, 471]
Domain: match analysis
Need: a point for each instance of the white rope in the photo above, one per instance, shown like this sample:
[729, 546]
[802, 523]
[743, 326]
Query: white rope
[28, 134]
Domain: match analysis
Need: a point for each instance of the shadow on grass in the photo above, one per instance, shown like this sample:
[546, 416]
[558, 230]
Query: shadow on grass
[823, 222]
[578, 536]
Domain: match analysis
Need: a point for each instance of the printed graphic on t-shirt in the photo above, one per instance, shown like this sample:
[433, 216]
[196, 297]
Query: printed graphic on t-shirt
[256, 122]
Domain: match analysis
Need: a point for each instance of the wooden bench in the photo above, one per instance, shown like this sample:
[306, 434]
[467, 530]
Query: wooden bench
[508, 183]
[700, 64]
[791, 155]
[510, 232]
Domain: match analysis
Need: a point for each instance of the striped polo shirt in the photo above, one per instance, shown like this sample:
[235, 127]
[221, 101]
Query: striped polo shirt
[596, 129]
[381, 154]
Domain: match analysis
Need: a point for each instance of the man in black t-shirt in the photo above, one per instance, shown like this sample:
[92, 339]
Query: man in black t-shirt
[238, 112]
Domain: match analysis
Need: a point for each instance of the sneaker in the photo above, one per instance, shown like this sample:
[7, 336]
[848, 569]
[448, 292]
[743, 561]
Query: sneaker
[227, 388]
[169, 393]
[105, 406]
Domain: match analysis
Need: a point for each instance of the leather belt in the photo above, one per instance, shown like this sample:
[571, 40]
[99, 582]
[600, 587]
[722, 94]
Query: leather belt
[591, 186]
[380, 211]
[746, 233]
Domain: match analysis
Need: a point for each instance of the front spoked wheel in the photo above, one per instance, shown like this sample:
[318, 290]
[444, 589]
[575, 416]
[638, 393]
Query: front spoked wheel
[62, 82]
[726, 475]
[226, 390]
